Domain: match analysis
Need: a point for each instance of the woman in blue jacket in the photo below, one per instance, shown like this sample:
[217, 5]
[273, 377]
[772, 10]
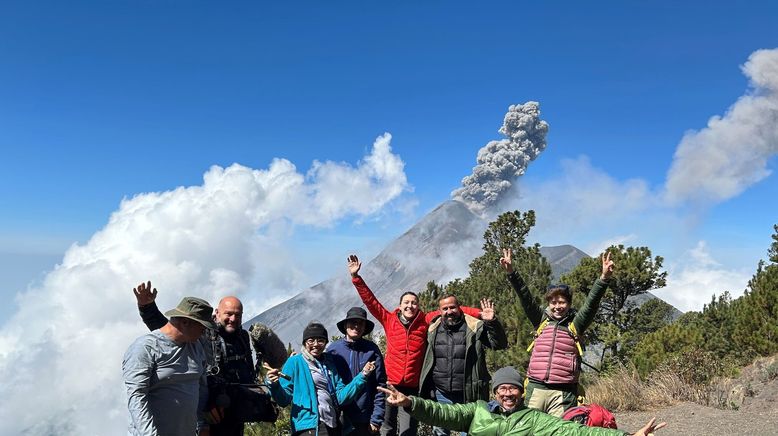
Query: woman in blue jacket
[310, 382]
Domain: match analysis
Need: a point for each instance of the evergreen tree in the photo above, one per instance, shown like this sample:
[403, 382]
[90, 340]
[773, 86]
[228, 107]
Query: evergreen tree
[636, 273]
[487, 280]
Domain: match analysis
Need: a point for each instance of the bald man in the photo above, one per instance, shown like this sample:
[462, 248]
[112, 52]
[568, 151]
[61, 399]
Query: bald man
[231, 350]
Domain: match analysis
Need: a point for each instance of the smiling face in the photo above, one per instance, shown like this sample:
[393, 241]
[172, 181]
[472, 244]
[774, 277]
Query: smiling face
[409, 306]
[449, 309]
[229, 314]
[355, 329]
[508, 396]
[558, 306]
[315, 346]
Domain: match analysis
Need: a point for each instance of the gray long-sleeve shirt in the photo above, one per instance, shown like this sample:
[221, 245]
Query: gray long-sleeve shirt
[166, 385]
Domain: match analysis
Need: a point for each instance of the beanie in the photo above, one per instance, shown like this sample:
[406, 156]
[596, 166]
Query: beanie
[507, 375]
[314, 330]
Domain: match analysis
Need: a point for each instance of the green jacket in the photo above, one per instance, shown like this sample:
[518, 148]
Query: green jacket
[477, 420]
[479, 335]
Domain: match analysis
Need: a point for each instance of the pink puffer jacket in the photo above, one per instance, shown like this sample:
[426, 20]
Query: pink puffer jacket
[554, 357]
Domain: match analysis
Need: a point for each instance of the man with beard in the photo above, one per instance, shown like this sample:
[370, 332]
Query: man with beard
[454, 369]
[505, 416]
[233, 362]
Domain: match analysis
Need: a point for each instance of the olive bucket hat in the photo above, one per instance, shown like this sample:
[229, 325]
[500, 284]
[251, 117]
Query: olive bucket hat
[195, 309]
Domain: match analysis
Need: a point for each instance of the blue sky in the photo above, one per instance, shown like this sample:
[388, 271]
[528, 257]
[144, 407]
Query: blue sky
[105, 100]
[121, 124]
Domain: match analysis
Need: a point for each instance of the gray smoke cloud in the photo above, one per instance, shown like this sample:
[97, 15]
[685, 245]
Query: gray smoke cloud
[501, 162]
[730, 154]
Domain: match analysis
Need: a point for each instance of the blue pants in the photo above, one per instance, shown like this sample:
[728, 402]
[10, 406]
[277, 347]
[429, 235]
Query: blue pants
[447, 398]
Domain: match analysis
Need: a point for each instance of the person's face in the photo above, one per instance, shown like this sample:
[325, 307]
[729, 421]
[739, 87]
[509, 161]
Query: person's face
[230, 314]
[449, 309]
[508, 396]
[558, 306]
[191, 330]
[316, 346]
[355, 328]
[409, 306]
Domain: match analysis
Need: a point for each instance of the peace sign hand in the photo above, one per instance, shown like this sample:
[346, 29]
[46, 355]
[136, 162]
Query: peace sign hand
[395, 397]
[607, 266]
[505, 260]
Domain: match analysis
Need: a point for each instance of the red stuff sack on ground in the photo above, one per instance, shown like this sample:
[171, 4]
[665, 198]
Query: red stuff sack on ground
[591, 415]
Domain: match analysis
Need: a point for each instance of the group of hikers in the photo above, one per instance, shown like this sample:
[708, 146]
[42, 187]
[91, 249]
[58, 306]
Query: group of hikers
[434, 370]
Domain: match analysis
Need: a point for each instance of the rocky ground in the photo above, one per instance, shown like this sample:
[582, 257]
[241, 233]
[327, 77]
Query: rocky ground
[752, 399]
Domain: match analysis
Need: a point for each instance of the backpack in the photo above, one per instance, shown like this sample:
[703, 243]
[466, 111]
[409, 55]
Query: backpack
[591, 415]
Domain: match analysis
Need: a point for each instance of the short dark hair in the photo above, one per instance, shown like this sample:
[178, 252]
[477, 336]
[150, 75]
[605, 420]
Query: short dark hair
[563, 291]
[408, 293]
[449, 296]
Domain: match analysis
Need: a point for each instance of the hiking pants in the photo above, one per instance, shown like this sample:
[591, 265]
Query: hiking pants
[398, 419]
[551, 399]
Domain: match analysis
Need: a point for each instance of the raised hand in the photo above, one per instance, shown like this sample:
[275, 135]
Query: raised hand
[650, 428]
[369, 367]
[505, 260]
[607, 266]
[487, 309]
[144, 294]
[395, 397]
[354, 265]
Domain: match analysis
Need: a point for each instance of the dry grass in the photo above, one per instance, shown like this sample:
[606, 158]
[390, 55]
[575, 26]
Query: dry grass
[623, 390]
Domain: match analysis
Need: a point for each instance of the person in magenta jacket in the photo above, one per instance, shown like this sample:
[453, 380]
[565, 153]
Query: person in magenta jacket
[406, 343]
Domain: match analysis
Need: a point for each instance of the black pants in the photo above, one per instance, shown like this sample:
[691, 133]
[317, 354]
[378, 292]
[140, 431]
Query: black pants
[323, 431]
[361, 429]
[227, 428]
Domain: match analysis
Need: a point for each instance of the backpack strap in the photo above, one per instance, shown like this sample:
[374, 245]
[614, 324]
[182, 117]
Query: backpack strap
[537, 333]
[576, 338]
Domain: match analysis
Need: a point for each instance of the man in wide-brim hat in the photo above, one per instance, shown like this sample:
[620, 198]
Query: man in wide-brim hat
[164, 373]
[351, 353]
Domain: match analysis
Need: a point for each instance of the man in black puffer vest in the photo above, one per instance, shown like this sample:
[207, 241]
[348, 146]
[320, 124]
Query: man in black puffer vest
[454, 369]
[229, 350]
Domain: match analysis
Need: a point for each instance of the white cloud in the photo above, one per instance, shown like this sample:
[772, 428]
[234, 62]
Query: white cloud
[693, 279]
[732, 152]
[60, 353]
[585, 206]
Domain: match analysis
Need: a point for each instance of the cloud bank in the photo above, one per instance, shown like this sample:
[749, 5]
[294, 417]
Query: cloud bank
[60, 354]
[730, 154]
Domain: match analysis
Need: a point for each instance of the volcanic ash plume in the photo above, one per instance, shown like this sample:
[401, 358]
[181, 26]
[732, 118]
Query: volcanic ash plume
[501, 162]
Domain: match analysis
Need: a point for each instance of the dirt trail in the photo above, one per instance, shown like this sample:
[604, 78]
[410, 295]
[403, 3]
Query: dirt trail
[694, 419]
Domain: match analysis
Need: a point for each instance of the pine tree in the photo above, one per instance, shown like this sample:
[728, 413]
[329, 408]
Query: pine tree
[636, 273]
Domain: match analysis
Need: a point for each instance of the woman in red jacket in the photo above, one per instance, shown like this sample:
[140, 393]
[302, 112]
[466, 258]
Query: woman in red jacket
[406, 342]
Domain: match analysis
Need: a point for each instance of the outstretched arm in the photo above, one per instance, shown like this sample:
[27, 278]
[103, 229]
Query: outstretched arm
[371, 302]
[583, 319]
[531, 309]
[145, 295]
[455, 417]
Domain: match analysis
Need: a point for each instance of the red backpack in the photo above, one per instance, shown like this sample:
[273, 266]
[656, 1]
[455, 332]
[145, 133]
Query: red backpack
[591, 415]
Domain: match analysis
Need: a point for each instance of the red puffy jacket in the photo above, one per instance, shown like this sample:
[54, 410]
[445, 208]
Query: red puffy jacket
[405, 347]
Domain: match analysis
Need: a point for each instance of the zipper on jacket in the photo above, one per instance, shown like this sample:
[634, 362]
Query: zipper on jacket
[551, 354]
